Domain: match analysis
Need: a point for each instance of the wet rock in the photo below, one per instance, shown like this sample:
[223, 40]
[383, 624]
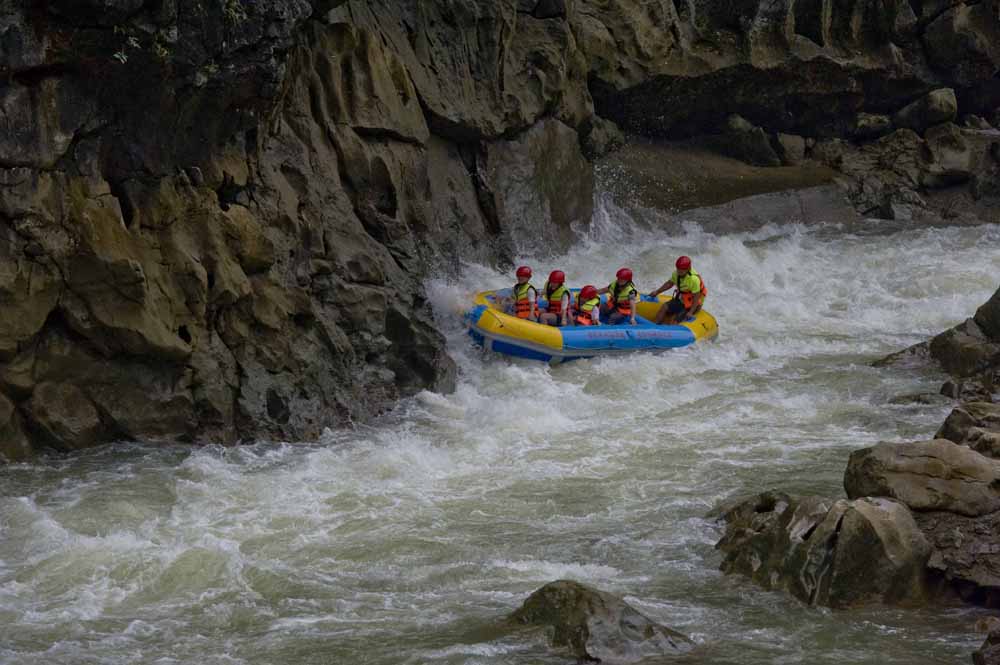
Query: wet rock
[597, 626]
[966, 391]
[66, 416]
[988, 317]
[974, 424]
[934, 108]
[543, 184]
[935, 399]
[926, 475]
[951, 156]
[825, 552]
[989, 653]
[791, 148]
[965, 350]
[14, 444]
[915, 356]
[600, 137]
[976, 122]
[745, 142]
[872, 125]
[965, 554]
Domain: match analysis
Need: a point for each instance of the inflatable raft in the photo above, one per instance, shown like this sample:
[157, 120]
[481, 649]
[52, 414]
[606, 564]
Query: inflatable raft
[498, 331]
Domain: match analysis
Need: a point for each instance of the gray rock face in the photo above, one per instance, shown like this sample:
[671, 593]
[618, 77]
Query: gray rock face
[926, 475]
[597, 626]
[965, 554]
[824, 552]
[934, 108]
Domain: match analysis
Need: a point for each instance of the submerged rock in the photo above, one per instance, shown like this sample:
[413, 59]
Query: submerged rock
[926, 475]
[825, 552]
[598, 626]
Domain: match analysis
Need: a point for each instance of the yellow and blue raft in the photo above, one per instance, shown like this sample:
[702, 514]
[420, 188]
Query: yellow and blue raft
[495, 330]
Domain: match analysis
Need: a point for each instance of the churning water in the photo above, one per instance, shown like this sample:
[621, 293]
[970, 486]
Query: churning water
[407, 541]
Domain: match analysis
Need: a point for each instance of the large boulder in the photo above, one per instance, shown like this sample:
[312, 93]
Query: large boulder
[965, 554]
[597, 626]
[926, 475]
[974, 424]
[934, 108]
[824, 552]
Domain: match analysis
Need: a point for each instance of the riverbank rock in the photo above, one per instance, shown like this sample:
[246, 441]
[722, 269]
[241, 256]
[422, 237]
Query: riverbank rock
[825, 552]
[965, 554]
[926, 475]
[974, 424]
[934, 108]
[989, 653]
[597, 626]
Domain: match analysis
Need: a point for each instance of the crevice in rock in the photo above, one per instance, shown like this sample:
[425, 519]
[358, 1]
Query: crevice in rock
[124, 202]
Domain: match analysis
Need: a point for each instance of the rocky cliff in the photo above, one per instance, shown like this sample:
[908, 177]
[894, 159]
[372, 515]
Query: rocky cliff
[216, 215]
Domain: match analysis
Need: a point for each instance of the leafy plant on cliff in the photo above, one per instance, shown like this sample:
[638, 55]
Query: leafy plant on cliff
[234, 10]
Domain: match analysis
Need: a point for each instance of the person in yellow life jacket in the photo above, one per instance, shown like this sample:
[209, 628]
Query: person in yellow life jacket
[587, 311]
[523, 306]
[557, 313]
[622, 296]
[689, 296]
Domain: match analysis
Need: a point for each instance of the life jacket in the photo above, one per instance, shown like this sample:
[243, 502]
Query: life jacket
[687, 297]
[618, 297]
[584, 309]
[555, 298]
[523, 306]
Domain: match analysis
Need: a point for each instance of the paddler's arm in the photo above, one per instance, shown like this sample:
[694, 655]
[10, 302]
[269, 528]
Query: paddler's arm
[531, 304]
[565, 308]
[667, 285]
[633, 299]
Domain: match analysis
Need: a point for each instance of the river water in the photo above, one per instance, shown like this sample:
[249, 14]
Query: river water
[407, 541]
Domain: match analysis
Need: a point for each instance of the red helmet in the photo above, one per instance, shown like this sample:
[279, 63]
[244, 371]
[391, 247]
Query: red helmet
[588, 292]
[684, 263]
[524, 271]
[624, 274]
[557, 277]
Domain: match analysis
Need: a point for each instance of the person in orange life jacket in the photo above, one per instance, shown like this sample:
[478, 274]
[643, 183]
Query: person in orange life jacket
[558, 296]
[689, 296]
[522, 305]
[587, 311]
[622, 296]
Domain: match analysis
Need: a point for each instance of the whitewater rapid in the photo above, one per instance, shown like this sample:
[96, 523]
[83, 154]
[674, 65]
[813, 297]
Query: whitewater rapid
[405, 542]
